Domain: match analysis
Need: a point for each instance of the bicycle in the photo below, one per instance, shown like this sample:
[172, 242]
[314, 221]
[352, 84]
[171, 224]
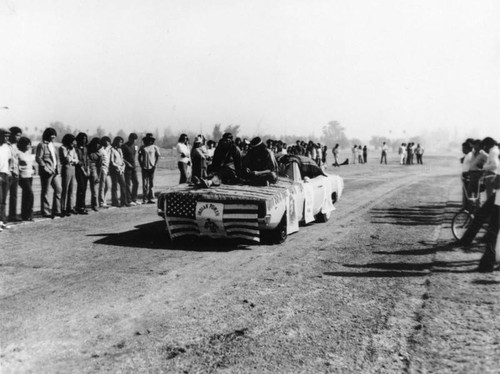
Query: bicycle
[464, 217]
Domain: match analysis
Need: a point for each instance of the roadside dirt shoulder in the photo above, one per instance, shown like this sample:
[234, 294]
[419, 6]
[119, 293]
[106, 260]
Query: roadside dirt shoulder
[460, 316]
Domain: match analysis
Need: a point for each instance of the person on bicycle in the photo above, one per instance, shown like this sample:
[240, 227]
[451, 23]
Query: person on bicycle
[490, 210]
[490, 147]
[476, 167]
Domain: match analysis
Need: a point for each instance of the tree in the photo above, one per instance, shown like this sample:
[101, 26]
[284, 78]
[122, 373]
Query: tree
[334, 133]
[233, 129]
[217, 132]
[61, 129]
[122, 134]
[100, 132]
[168, 140]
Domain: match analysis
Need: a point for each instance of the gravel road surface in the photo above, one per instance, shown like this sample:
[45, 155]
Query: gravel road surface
[374, 290]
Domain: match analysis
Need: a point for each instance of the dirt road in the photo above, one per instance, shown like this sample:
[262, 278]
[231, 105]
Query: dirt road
[370, 291]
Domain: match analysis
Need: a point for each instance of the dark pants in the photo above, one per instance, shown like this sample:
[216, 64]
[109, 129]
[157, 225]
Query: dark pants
[81, 189]
[183, 168]
[488, 260]
[27, 198]
[94, 188]
[4, 190]
[148, 176]
[419, 159]
[14, 183]
[67, 181]
[383, 158]
[54, 181]
[132, 183]
[473, 186]
[492, 212]
[118, 179]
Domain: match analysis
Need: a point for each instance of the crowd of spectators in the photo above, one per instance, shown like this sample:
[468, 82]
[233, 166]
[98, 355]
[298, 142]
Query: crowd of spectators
[99, 166]
[232, 160]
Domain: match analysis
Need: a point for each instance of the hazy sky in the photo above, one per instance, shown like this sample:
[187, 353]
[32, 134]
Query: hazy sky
[379, 67]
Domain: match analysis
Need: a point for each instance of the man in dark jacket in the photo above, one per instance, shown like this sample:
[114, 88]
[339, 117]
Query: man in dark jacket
[259, 165]
[81, 172]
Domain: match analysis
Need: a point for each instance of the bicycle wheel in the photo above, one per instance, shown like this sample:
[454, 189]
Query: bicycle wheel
[461, 221]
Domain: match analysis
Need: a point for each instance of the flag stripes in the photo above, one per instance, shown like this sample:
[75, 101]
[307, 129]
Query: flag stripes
[239, 220]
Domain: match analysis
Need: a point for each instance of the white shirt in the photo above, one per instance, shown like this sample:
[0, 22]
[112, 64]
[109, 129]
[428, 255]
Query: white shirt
[52, 150]
[182, 148]
[466, 162]
[26, 161]
[5, 156]
[492, 162]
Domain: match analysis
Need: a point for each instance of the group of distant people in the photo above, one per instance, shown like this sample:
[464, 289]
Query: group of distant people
[359, 154]
[481, 167]
[407, 152]
[99, 166]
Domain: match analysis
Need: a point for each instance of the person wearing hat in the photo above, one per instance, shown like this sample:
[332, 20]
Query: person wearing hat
[5, 166]
[149, 155]
[259, 165]
[117, 172]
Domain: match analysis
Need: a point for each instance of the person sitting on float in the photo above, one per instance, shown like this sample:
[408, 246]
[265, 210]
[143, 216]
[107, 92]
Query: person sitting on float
[226, 164]
[259, 164]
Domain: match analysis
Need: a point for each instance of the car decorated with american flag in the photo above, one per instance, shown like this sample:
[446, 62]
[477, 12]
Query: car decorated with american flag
[303, 194]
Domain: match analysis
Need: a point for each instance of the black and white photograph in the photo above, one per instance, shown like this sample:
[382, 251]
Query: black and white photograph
[226, 186]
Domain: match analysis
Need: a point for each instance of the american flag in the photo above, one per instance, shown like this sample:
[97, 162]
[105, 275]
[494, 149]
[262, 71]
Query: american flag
[179, 214]
[240, 220]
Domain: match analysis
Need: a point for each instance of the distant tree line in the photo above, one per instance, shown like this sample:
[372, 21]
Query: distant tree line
[333, 133]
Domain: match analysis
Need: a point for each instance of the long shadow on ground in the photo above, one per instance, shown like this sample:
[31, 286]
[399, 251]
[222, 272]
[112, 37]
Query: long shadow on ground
[153, 236]
[412, 216]
[405, 269]
[431, 215]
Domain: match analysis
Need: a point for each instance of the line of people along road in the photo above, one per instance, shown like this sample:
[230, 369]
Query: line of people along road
[99, 166]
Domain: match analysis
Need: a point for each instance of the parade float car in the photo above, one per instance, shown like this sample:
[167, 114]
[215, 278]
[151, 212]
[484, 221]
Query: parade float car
[303, 194]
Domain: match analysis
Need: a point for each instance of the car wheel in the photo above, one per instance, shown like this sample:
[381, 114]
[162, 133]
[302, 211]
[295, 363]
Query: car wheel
[322, 217]
[277, 235]
[334, 197]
